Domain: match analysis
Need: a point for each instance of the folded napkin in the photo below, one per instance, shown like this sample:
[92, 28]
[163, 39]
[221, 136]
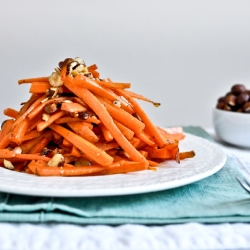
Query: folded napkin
[218, 198]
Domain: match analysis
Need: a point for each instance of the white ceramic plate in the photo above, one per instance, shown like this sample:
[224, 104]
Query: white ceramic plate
[208, 160]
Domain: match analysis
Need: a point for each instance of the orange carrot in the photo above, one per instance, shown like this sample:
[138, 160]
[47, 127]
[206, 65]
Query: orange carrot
[30, 80]
[104, 116]
[91, 119]
[44, 124]
[124, 118]
[39, 87]
[39, 146]
[6, 153]
[6, 128]
[30, 108]
[106, 133]
[72, 107]
[10, 112]
[113, 85]
[19, 131]
[83, 129]
[128, 133]
[68, 171]
[153, 131]
[85, 146]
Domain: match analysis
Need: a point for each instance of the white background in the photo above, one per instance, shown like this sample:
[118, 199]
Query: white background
[184, 54]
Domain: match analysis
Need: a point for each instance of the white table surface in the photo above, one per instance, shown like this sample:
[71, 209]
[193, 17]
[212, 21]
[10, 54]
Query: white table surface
[18, 236]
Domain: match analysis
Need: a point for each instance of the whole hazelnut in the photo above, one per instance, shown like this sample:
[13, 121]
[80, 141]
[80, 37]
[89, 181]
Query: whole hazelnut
[246, 107]
[238, 88]
[242, 98]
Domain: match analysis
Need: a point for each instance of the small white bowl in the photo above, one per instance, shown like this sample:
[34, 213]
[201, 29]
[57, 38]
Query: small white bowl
[232, 127]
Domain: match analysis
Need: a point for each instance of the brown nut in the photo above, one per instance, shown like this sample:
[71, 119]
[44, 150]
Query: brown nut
[231, 100]
[50, 108]
[220, 105]
[227, 107]
[238, 88]
[246, 107]
[242, 98]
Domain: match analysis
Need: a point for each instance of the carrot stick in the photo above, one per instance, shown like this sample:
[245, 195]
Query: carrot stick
[141, 97]
[124, 118]
[113, 85]
[75, 151]
[39, 146]
[83, 129]
[27, 104]
[30, 80]
[19, 131]
[72, 107]
[44, 124]
[92, 67]
[145, 138]
[91, 119]
[106, 133]
[41, 106]
[94, 87]
[69, 171]
[30, 135]
[6, 153]
[6, 129]
[153, 131]
[39, 87]
[128, 133]
[85, 146]
[30, 108]
[10, 112]
[104, 116]
[124, 167]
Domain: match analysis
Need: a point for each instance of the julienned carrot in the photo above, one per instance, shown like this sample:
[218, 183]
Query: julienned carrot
[86, 147]
[27, 104]
[68, 171]
[106, 133]
[113, 85]
[39, 87]
[40, 146]
[10, 112]
[6, 153]
[30, 108]
[128, 133]
[30, 80]
[19, 131]
[91, 119]
[151, 128]
[124, 118]
[42, 105]
[104, 116]
[72, 107]
[100, 91]
[103, 127]
[83, 129]
[44, 124]
[6, 128]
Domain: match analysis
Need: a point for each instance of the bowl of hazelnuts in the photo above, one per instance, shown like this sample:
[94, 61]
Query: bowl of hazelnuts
[231, 117]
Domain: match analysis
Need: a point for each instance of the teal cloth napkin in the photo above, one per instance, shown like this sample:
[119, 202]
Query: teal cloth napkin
[216, 199]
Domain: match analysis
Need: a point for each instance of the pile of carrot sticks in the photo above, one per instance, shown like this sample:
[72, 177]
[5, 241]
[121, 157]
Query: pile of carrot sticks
[77, 124]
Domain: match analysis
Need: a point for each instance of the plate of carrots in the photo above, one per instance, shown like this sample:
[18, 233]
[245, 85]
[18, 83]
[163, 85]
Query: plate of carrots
[81, 135]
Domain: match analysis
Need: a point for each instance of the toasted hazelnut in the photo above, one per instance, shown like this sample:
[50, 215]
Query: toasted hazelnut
[246, 107]
[231, 99]
[242, 98]
[45, 117]
[55, 80]
[238, 88]
[56, 161]
[8, 164]
[50, 108]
